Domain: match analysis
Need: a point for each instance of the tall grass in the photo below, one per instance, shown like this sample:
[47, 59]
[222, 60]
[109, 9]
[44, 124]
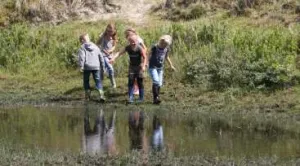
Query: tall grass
[213, 54]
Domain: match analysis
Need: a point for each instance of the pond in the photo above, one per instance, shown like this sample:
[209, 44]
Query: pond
[91, 129]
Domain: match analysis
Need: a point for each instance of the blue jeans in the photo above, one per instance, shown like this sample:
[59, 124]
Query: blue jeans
[96, 76]
[156, 75]
[109, 68]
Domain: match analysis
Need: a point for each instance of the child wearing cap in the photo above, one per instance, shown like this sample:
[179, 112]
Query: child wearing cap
[158, 54]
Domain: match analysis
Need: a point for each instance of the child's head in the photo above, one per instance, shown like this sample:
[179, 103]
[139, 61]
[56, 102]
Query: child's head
[129, 31]
[132, 39]
[84, 38]
[165, 41]
[111, 31]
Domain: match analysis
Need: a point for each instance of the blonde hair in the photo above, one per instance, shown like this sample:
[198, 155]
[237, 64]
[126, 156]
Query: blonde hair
[84, 37]
[128, 31]
[132, 37]
[166, 38]
[112, 27]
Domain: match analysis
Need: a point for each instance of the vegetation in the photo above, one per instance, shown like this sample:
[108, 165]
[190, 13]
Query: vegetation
[212, 54]
[11, 155]
[234, 58]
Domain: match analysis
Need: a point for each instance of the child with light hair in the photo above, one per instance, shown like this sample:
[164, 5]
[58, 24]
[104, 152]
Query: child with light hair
[158, 54]
[137, 65]
[128, 32]
[107, 43]
[90, 61]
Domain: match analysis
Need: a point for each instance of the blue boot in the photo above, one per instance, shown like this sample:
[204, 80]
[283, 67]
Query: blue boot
[141, 95]
[130, 94]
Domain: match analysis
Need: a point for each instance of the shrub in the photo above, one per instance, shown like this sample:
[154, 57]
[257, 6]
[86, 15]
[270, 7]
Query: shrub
[192, 12]
[248, 59]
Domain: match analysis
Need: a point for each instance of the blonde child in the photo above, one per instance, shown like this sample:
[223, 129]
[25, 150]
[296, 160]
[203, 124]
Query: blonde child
[137, 65]
[90, 61]
[157, 56]
[128, 32]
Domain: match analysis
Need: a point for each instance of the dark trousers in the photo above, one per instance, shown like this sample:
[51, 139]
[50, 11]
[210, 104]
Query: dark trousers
[135, 73]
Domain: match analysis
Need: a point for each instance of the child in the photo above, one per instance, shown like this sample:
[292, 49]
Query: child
[128, 32]
[136, 66]
[90, 61]
[107, 43]
[158, 54]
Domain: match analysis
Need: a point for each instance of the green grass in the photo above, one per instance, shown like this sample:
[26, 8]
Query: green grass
[16, 155]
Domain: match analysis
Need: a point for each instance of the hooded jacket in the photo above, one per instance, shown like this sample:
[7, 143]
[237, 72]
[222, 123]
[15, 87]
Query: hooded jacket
[90, 57]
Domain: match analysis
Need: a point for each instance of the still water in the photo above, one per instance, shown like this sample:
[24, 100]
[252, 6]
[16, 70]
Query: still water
[92, 130]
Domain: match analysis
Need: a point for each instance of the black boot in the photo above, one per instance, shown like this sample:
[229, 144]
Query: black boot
[155, 91]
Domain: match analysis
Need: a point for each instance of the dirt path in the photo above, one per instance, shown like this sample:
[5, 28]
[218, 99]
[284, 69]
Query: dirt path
[134, 11]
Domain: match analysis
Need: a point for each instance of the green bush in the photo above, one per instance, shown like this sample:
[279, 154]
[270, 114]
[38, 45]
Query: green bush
[247, 58]
[190, 13]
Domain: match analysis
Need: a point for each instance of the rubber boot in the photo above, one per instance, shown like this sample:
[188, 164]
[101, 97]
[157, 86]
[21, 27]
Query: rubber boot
[112, 81]
[87, 95]
[101, 94]
[130, 94]
[155, 94]
[141, 95]
[158, 92]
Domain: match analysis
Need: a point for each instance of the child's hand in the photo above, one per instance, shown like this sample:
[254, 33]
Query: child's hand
[111, 61]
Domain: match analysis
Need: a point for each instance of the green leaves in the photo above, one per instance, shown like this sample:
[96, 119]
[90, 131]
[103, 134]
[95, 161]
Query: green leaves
[245, 58]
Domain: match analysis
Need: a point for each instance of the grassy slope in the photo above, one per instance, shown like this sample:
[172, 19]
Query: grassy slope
[50, 83]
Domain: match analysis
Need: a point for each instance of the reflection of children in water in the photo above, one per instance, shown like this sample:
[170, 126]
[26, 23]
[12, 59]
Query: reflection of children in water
[157, 135]
[100, 139]
[138, 139]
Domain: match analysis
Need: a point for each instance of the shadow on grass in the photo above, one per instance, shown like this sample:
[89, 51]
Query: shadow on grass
[73, 90]
[64, 99]
[117, 96]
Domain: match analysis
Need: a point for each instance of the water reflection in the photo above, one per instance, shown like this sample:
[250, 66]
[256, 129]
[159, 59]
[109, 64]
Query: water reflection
[85, 130]
[137, 134]
[157, 135]
[101, 138]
